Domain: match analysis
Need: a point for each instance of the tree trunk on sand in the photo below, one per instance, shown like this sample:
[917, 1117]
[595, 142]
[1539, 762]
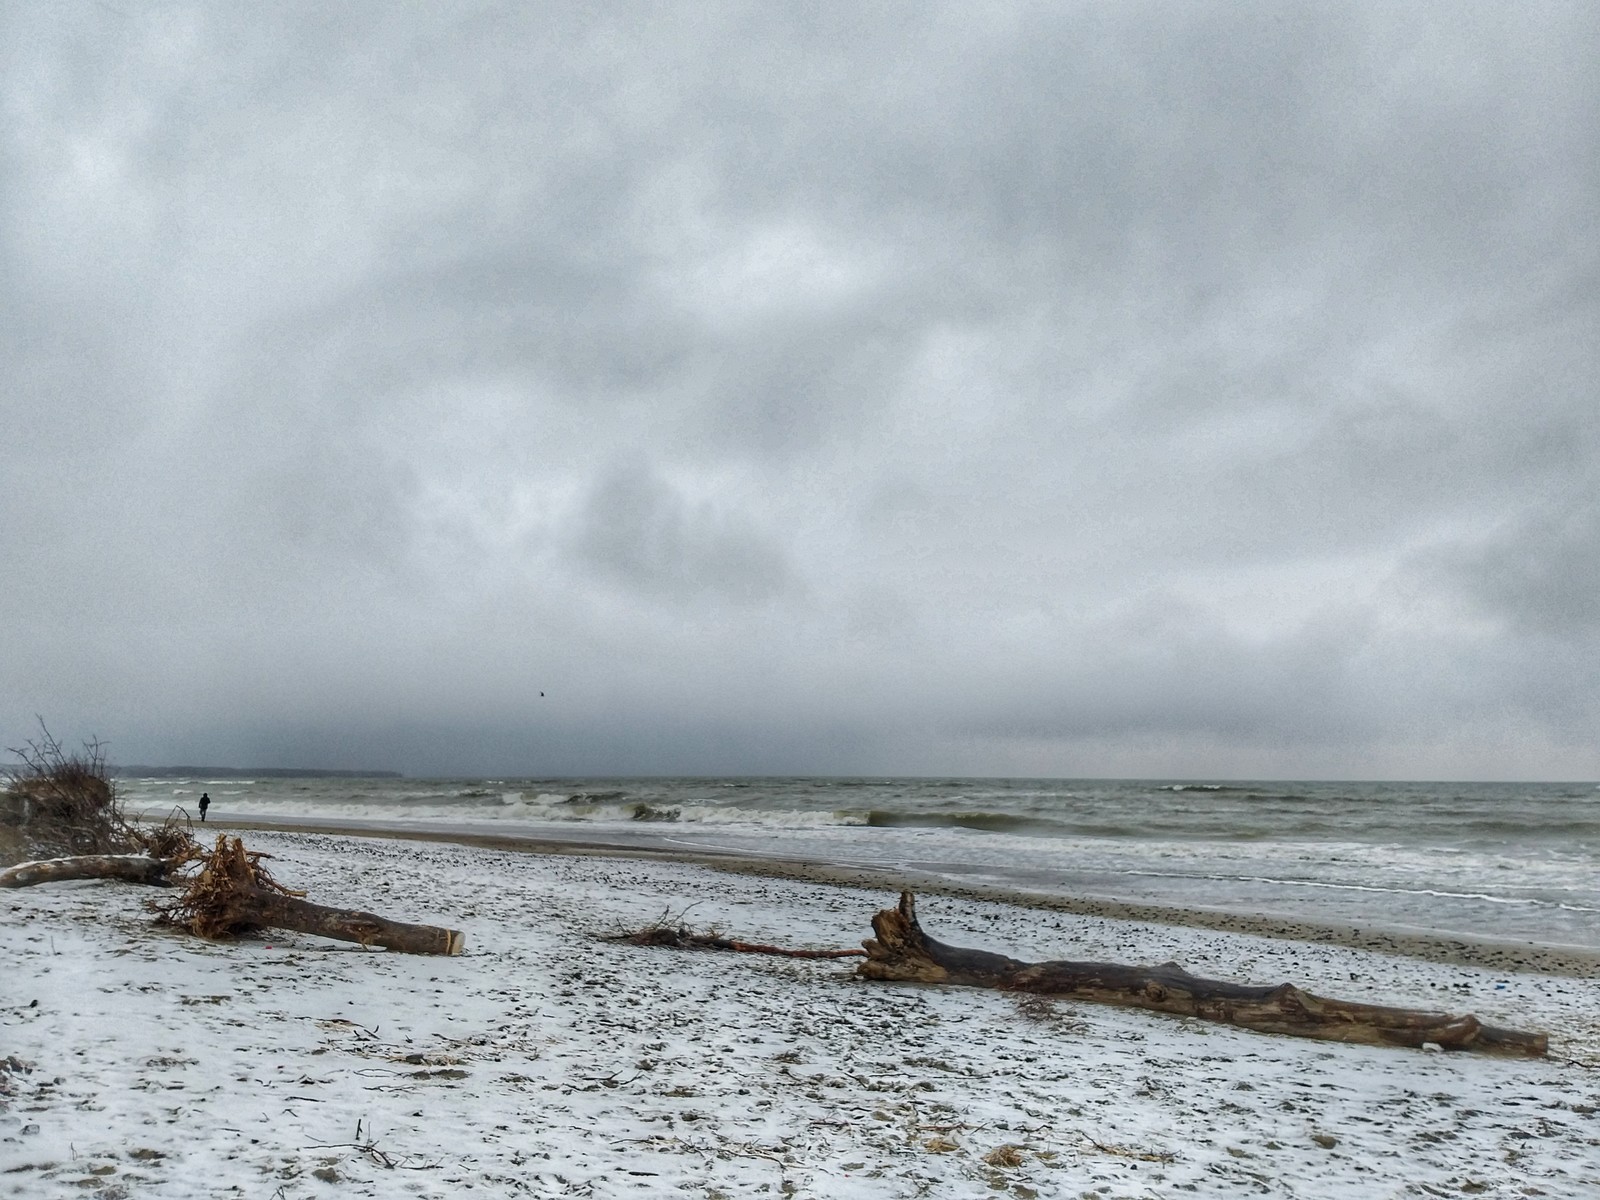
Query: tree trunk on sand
[233, 894]
[134, 868]
[902, 952]
[271, 910]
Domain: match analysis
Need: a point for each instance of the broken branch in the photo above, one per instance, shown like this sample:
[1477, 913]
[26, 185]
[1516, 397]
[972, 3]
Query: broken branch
[679, 938]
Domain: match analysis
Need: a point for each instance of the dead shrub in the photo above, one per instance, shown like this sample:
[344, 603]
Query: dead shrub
[61, 803]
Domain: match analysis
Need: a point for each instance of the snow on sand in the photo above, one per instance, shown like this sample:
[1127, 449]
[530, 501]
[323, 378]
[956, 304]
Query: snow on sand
[549, 1062]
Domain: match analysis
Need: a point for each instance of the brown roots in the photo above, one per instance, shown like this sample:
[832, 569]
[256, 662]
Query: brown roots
[220, 899]
[172, 840]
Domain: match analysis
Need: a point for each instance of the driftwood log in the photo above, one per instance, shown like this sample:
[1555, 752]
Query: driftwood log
[902, 952]
[678, 937]
[269, 910]
[132, 868]
[233, 894]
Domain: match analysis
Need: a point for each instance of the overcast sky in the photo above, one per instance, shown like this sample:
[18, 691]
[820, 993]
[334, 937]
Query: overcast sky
[1077, 389]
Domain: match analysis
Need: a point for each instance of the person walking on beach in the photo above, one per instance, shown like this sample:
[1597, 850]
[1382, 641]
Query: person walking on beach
[205, 803]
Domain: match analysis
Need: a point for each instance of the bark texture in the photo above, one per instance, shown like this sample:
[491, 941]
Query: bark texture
[902, 952]
[134, 868]
[272, 910]
[233, 893]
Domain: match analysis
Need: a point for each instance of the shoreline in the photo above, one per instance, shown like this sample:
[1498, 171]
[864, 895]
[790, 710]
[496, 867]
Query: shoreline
[1448, 949]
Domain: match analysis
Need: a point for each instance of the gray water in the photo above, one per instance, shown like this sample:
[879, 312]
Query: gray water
[1508, 861]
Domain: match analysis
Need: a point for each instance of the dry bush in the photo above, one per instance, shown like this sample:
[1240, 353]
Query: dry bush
[53, 803]
[60, 803]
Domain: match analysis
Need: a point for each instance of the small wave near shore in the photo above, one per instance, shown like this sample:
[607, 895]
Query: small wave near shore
[1519, 862]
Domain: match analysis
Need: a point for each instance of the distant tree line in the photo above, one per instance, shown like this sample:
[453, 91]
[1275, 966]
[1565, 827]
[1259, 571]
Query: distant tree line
[138, 771]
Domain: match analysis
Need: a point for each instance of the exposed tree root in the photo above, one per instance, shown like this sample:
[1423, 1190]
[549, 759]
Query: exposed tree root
[233, 894]
[223, 898]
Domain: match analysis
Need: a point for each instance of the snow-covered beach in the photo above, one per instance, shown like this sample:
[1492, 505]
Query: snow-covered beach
[550, 1061]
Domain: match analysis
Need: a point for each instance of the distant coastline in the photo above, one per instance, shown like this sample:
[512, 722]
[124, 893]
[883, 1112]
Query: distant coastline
[145, 772]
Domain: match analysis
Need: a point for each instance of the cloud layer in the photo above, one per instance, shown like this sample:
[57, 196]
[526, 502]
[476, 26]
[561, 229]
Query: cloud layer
[1093, 389]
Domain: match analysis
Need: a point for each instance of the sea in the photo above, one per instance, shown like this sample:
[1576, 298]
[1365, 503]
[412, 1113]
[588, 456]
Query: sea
[1512, 862]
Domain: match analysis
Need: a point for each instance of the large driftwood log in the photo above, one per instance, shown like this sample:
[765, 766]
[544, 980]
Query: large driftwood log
[271, 910]
[902, 952]
[233, 894]
[134, 868]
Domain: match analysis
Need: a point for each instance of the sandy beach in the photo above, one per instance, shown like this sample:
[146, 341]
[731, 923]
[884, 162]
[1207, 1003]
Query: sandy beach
[549, 1061]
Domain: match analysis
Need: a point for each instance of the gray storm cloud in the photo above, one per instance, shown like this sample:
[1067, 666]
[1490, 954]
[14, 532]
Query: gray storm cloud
[1123, 388]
